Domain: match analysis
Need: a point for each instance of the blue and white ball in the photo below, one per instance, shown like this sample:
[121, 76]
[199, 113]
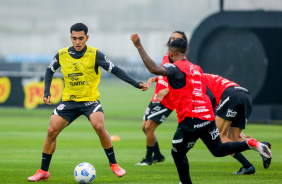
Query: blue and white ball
[84, 173]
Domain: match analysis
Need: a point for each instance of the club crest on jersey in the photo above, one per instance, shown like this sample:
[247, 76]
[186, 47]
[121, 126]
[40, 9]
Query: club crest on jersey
[61, 107]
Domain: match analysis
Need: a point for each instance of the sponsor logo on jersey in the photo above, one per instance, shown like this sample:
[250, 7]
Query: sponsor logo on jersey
[224, 81]
[207, 116]
[231, 113]
[196, 82]
[194, 72]
[163, 83]
[79, 83]
[197, 92]
[200, 109]
[214, 134]
[198, 101]
[75, 74]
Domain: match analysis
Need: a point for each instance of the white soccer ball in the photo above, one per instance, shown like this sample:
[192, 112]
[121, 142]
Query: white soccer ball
[84, 173]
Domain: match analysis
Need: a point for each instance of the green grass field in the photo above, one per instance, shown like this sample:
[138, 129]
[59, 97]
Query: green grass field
[22, 134]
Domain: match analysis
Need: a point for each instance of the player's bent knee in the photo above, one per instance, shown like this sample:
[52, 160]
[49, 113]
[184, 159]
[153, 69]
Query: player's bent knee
[217, 152]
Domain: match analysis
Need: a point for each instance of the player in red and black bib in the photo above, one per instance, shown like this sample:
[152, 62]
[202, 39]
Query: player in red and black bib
[158, 110]
[193, 107]
[233, 108]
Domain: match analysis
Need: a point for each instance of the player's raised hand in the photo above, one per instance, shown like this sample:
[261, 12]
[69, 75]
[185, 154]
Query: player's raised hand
[143, 86]
[136, 40]
[47, 100]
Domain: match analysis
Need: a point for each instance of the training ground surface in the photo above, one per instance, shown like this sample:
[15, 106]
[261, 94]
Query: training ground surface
[22, 134]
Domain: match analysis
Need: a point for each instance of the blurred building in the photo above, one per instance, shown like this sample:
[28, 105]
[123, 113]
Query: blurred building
[33, 27]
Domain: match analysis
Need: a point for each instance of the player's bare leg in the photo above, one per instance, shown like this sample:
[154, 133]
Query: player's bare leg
[97, 121]
[149, 128]
[57, 124]
[223, 126]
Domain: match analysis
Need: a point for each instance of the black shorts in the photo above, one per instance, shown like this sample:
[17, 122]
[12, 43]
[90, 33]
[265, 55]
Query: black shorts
[156, 112]
[72, 110]
[236, 106]
[190, 130]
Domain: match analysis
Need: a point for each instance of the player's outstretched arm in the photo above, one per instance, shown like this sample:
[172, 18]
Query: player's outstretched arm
[148, 62]
[47, 82]
[121, 74]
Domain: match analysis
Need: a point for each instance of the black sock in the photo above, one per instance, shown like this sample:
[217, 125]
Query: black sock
[157, 151]
[242, 160]
[46, 159]
[149, 154]
[111, 155]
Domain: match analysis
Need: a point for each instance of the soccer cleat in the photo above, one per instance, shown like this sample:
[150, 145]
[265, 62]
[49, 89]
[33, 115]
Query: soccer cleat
[118, 170]
[39, 175]
[266, 161]
[159, 158]
[145, 162]
[259, 147]
[243, 170]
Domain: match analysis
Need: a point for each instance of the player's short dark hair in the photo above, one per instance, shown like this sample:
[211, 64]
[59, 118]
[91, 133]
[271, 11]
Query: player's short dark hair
[179, 32]
[79, 27]
[178, 45]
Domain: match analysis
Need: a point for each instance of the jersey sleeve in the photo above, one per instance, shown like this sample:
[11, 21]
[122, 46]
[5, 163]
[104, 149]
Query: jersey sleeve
[176, 78]
[106, 64]
[51, 69]
[173, 71]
